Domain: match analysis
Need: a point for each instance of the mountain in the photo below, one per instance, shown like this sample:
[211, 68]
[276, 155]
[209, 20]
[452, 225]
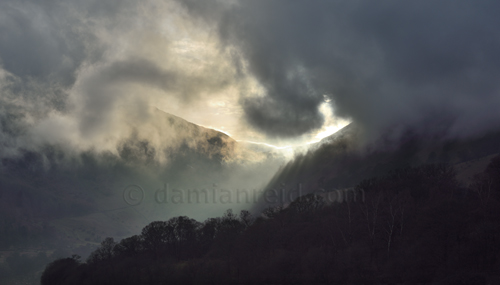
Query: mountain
[53, 202]
[39, 187]
[413, 226]
[338, 161]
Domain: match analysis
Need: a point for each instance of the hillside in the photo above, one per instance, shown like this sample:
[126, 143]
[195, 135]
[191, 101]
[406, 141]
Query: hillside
[414, 226]
[338, 162]
[54, 201]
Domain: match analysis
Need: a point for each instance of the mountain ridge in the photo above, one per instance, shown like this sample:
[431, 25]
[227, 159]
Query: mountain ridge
[340, 161]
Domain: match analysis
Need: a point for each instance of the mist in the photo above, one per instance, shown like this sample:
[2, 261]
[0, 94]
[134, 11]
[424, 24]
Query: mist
[91, 77]
[76, 73]
[387, 66]
[112, 112]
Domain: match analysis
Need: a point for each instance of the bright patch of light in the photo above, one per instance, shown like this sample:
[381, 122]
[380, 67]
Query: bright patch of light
[312, 142]
[332, 124]
[266, 144]
[216, 129]
[329, 130]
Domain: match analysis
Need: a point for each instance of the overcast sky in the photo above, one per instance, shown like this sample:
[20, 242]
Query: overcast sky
[281, 71]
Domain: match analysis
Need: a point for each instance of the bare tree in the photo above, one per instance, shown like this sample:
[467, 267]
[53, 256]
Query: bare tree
[394, 220]
[246, 218]
[482, 186]
[370, 211]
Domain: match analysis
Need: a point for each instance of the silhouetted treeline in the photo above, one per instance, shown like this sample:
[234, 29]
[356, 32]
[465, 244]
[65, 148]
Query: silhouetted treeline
[414, 225]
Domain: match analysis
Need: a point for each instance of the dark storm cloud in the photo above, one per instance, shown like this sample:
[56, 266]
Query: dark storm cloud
[43, 44]
[42, 39]
[385, 64]
[284, 112]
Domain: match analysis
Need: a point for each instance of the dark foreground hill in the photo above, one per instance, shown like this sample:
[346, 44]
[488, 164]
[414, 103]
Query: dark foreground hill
[414, 225]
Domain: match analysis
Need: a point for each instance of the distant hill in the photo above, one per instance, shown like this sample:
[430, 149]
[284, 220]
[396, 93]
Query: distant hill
[338, 162]
[54, 200]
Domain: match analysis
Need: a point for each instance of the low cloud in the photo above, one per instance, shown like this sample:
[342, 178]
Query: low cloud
[387, 65]
[79, 72]
[88, 75]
